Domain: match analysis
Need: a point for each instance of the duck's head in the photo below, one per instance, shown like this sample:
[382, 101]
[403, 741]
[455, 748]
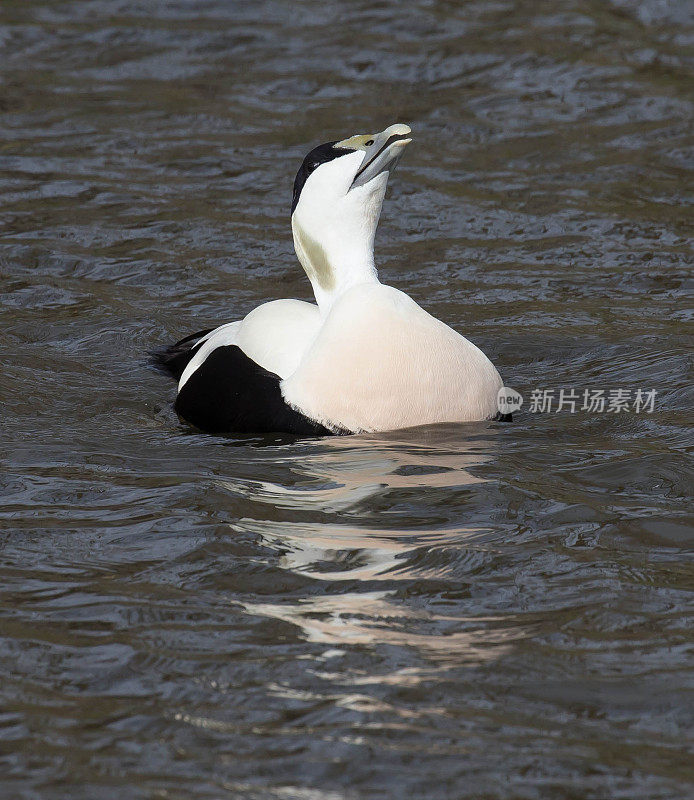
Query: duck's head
[338, 193]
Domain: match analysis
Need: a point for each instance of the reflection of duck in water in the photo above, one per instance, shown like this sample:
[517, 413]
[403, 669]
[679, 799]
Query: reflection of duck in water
[366, 357]
[347, 481]
[353, 563]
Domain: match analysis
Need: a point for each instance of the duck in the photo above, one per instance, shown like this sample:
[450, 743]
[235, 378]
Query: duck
[365, 357]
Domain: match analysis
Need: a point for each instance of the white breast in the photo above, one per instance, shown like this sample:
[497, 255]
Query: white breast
[381, 362]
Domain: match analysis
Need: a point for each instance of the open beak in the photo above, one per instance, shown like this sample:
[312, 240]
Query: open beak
[382, 151]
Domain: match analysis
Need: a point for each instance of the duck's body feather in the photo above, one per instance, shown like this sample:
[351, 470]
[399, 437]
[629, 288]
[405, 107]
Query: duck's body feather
[175, 357]
[229, 392]
[365, 358]
[274, 335]
[378, 361]
[382, 362]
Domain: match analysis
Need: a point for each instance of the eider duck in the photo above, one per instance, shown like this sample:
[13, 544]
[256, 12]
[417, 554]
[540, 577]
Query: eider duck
[365, 357]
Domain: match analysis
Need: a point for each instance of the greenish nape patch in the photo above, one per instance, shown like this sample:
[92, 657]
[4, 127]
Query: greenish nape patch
[316, 263]
[358, 142]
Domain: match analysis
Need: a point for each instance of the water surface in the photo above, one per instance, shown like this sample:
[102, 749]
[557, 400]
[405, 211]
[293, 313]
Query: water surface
[461, 611]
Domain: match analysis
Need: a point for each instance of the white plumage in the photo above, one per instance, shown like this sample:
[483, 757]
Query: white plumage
[381, 362]
[275, 335]
[366, 357]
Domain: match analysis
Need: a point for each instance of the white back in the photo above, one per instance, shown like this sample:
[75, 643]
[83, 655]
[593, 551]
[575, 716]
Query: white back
[275, 335]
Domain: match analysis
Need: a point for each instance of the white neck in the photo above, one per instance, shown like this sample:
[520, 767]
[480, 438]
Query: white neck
[334, 235]
[334, 264]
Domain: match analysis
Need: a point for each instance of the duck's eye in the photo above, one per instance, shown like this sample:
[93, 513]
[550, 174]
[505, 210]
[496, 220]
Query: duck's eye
[369, 143]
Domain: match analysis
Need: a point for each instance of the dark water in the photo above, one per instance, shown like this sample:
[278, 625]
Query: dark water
[479, 611]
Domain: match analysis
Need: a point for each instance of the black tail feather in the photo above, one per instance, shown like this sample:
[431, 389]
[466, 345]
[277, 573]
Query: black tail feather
[174, 358]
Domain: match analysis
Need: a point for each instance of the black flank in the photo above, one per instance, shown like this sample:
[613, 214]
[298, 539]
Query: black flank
[230, 393]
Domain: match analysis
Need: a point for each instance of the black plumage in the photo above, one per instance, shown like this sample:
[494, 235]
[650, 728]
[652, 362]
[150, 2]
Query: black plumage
[174, 358]
[230, 393]
[319, 155]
